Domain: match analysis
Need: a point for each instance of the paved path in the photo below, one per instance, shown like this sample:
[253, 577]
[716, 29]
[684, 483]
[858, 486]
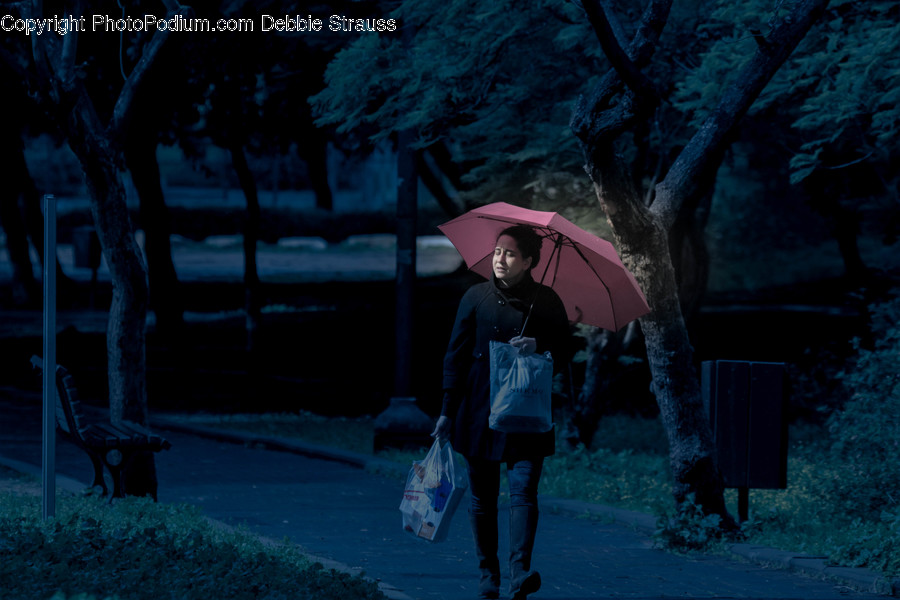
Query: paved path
[348, 517]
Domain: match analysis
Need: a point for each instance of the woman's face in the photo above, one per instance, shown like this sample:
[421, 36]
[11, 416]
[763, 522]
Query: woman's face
[509, 264]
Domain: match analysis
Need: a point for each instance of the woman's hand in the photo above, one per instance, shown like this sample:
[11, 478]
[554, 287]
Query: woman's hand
[442, 429]
[526, 345]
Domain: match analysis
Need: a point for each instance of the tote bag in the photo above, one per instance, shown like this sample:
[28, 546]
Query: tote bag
[521, 390]
[433, 490]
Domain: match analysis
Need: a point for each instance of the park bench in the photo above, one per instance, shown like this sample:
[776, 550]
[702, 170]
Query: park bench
[112, 446]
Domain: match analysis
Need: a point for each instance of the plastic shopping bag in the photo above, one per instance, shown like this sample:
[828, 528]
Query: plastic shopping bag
[521, 390]
[433, 490]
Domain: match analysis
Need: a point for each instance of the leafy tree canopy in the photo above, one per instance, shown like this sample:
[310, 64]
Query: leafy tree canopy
[496, 79]
[838, 93]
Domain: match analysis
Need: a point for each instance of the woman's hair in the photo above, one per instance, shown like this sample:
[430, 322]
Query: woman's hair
[528, 240]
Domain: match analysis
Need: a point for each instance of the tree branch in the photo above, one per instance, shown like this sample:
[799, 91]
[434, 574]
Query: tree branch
[706, 146]
[653, 21]
[39, 44]
[614, 23]
[640, 84]
[594, 117]
[67, 57]
[124, 104]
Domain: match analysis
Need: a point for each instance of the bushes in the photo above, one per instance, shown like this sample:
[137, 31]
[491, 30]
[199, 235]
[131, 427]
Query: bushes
[137, 549]
[866, 430]
[865, 435]
[689, 529]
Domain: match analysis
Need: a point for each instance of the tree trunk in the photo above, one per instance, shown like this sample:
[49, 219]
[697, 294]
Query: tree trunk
[165, 292]
[22, 218]
[128, 313]
[26, 289]
[845, 229]
[690, 254]
[588, 405]
[449, 170]
[125, 334]
[643, 244]
[432, 180]
[605, 377]
[315, 153]
[843, 224]
[252, 300]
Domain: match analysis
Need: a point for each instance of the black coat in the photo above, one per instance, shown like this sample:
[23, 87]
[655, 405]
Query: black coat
[488, 313]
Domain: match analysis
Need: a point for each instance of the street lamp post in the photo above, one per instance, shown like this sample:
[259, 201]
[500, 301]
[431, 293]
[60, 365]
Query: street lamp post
[403, 424]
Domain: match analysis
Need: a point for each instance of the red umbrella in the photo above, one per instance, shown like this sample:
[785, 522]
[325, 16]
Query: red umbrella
[583, 269]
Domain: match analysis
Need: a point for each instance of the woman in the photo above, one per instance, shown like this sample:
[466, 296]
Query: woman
[497, 310]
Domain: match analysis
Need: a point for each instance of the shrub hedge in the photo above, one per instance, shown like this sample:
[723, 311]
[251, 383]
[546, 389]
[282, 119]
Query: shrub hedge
[137, 549]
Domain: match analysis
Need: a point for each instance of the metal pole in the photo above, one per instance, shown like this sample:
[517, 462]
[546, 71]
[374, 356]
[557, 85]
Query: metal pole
[48, 446]
[407, 204]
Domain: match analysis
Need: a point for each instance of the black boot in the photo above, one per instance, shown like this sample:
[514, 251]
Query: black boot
[484, 530]
[522, 527]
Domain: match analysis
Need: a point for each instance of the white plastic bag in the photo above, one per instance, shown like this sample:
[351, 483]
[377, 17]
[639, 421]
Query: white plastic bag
[521, 390]
[434, 487]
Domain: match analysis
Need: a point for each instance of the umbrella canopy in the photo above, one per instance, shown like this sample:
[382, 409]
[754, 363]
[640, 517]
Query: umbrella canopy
[583, 269]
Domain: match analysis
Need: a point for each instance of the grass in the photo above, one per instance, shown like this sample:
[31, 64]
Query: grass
[628, 468]
[807, 517]
[138, 549]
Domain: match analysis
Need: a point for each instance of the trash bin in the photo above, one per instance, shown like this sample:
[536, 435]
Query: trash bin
[747, 407]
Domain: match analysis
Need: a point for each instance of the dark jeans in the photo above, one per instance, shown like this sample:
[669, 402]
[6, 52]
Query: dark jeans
[484, 483]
